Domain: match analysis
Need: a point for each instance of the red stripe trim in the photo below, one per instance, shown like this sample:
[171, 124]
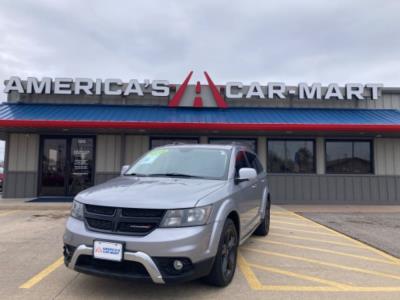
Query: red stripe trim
[198, 87]
[198, 102]
[217, 96]
[179, 93]
[201, 126]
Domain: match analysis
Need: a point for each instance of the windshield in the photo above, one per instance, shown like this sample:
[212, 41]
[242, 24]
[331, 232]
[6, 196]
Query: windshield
[183, 162]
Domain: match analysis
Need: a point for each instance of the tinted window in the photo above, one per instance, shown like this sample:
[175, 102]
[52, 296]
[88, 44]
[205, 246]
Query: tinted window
[240, 162]
[348, 157]
[291, 156]
[158, 142]
[250, 143]
[254, 162]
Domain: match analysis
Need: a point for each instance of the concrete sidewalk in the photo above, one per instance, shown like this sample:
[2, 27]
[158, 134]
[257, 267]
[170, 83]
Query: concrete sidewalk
[311, 208]
[22, 204]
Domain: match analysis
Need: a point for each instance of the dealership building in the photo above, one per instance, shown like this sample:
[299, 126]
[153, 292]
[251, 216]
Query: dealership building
[320, 144]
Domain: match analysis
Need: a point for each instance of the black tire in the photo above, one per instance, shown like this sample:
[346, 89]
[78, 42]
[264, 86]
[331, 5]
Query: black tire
[224, 266]
[263, 228]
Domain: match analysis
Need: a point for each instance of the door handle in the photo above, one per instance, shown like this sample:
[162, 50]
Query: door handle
[254, 186]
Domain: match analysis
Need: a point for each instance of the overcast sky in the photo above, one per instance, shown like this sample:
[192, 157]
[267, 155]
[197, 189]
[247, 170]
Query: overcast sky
[289, 41]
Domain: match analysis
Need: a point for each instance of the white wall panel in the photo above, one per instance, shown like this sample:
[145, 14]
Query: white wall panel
[320, 155]
[387, 156]
[23, 152]
[262, 151]
[136, 146]
[108, 153]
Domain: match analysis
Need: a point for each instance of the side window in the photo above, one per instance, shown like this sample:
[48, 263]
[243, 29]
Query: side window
[250, 143]
[241, 162]
[254, 162]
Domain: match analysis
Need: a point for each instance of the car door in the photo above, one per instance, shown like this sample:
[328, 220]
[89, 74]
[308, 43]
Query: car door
[243, 195]
[255, 192]
[260, 183]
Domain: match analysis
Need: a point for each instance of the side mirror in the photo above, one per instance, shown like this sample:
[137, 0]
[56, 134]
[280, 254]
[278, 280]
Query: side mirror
[124, 169]
[246, 174]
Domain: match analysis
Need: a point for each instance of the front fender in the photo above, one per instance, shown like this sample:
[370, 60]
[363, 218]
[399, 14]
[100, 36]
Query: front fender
[226, 207]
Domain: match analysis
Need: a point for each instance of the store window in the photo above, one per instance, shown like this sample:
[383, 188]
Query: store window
[291, 156]
[250, 143]
[346, 156]
[157, 142]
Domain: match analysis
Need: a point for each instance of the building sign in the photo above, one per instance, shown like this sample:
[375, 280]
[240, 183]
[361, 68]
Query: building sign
[87, 86]
[162, 88]
[235, 90]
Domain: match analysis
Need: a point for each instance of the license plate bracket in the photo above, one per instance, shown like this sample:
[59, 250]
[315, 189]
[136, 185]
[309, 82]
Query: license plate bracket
[108, 250]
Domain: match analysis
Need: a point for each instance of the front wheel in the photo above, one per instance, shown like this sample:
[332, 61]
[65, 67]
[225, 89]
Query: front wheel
[225, 261]
[263, 228]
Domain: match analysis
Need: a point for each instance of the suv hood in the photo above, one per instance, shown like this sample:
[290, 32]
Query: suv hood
[149, 192]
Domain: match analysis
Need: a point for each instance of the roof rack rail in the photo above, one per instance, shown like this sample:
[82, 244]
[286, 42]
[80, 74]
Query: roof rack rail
[236, 143]
[177, 143]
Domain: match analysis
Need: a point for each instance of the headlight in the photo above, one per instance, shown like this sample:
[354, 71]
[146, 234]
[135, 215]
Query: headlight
[77, 210]
[186, 217]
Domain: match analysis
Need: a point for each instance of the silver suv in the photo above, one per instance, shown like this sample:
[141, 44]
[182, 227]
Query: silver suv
[178, 213]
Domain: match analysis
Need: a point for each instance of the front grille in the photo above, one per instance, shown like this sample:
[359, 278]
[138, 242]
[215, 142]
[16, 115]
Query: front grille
[128, 221]
[126, 267]
[102, 210]
[145, 213]
[136, 227]
[100, 224]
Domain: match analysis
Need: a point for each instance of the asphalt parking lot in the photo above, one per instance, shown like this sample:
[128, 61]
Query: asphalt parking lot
[381, 230]
[300, 259]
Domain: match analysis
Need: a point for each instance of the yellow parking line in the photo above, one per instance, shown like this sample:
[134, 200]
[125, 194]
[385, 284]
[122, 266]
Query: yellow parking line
[248, 273]
[288, 219]
[315, 240]
[6, 213]
[326, 251]
[294, 224]
[301, 288]
[42, 274]
[301, 276]
[356, 242]
[282, 213]
[322, 263]
[305, 231]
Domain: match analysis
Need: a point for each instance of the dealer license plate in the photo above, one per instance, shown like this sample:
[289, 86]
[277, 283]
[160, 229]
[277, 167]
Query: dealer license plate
[107, 250]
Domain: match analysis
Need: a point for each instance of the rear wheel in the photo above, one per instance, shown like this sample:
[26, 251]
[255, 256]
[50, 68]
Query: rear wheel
[263, 228]
[225, 261]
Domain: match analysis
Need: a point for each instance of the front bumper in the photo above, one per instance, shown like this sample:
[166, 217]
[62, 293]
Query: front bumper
[138, 257]
[196, 245]
[145, 267]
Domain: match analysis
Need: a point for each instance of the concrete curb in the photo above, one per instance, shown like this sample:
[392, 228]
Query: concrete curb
[319, 208]
[34, 206]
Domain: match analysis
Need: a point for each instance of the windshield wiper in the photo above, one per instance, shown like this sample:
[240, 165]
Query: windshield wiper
[174, 175]
[135, 174]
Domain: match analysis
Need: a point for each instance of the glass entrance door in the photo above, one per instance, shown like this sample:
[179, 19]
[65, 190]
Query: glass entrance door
[67, 165]
[81, 165]
[54, 155]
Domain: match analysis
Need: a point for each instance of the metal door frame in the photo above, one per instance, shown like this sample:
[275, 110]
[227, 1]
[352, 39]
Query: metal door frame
[67, 172]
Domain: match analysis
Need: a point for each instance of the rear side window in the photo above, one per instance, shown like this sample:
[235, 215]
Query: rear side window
[254, 162]
[241, 162]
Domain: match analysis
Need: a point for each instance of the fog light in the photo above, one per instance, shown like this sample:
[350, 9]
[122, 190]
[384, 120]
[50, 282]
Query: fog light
[178, 265]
